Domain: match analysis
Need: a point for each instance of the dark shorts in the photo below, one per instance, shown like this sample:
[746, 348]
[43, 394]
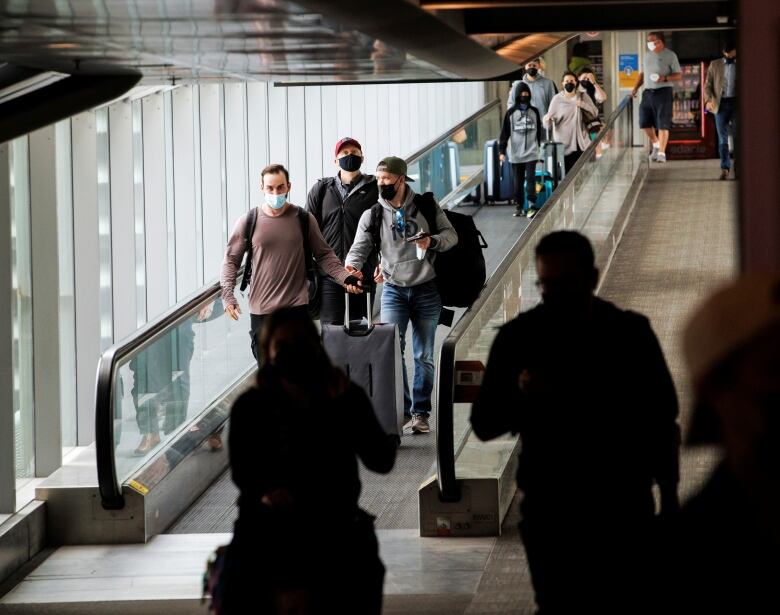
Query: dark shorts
[655, 110]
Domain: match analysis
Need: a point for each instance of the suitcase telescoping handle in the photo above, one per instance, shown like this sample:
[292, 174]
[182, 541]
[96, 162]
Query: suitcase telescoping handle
[367, 291]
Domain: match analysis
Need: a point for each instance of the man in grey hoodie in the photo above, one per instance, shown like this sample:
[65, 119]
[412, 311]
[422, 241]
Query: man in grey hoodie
[542, 88]
[397, 228]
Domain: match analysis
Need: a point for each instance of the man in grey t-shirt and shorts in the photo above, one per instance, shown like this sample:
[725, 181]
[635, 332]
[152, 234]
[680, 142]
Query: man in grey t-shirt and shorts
[660, 68]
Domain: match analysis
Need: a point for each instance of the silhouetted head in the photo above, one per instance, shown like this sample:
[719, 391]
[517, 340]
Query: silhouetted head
[732, 347]
[566, 271]
[290, 344]
[729, 48]
[580, 50]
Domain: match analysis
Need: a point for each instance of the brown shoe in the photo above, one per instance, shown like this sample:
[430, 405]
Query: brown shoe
[215, 442]
[724, 174]
[148, 442]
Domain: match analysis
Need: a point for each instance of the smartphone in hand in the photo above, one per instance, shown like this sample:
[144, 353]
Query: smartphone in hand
[420, 235]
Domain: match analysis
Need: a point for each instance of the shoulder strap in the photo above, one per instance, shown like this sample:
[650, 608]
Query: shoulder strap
[427, 206]
[324, 185]
[375, 225]
[303, 220]
[249, 231]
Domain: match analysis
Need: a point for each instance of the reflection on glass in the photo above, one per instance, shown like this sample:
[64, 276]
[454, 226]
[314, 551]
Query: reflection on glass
[104, 228]
[456, 158]
[67, 305]
[161, 388]
[138, 199]
[21, 309]
[169, 197]
[589, 204]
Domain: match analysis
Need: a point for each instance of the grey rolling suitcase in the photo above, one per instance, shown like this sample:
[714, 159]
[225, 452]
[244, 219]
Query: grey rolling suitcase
[370, 354]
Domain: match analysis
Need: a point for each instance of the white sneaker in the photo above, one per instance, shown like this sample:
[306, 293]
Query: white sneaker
[661, 157]
[654, 153]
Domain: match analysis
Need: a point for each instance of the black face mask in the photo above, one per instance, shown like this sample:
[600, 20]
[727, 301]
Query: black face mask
[589, 87]
[569, 87]
[729, 60]
[524, 100]
[388, 192]
[532, 72]
[350, 162]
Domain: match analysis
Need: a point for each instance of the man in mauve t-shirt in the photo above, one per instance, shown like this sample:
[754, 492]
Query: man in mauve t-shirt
[278, 264]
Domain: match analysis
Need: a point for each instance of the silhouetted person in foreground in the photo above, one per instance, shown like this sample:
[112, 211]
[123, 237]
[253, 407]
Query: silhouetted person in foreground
[725, 544]
[301, 544]
[586, 386]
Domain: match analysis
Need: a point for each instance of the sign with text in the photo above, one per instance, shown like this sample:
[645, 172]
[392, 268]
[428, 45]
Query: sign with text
[628, 67]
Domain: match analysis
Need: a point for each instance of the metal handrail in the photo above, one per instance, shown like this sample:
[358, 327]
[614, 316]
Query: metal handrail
[449, 490]
[108, 481]
[446, 135]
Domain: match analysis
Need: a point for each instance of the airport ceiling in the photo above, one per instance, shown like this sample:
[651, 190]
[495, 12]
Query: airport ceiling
[492, 16]
[313, 41]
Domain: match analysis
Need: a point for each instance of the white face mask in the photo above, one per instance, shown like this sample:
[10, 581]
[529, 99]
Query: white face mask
[651, 45]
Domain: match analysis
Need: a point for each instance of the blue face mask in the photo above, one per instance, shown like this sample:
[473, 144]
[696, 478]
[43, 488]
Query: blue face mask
[275, 201]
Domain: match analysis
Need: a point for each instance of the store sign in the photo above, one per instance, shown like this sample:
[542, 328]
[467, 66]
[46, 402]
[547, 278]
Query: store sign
[628, 67]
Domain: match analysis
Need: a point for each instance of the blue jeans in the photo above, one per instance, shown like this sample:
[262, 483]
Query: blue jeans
[726, 117]
[422, 305]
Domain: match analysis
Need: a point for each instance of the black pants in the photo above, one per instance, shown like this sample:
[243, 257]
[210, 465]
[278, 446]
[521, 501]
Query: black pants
[524, 173]
[579, 559]
[256, 324]
[332, 303]
[569, 160]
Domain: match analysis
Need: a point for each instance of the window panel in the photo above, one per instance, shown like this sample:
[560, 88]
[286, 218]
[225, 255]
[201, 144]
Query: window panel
[104, 227]
[139, 207]
[235, 151]
[211, 180]
[184, 195]
[67, 304]
[316, 155]
[296, 134]
[21, 309]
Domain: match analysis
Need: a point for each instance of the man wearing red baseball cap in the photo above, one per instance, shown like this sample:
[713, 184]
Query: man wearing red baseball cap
[337, 202]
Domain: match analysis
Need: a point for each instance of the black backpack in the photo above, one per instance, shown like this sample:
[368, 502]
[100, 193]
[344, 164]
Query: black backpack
[311, 268]
[460, 271]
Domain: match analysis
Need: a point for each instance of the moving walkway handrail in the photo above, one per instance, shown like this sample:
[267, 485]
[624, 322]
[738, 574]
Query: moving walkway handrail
[449, 490]
[108, 481]
[445, 136]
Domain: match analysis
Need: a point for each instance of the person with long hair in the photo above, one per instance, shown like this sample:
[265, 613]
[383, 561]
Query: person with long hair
[567, 115]
[299, 526]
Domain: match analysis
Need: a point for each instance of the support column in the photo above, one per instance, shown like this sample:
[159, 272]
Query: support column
[758, 155]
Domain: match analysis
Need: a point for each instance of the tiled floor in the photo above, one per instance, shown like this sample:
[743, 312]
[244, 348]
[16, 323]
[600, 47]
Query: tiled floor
[170, 568]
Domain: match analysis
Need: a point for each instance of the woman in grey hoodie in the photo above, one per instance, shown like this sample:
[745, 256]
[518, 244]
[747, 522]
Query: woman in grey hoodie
[522, 133]
[565, 115]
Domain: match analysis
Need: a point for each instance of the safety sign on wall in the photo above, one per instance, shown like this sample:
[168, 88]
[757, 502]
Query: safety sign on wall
[628, 65]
